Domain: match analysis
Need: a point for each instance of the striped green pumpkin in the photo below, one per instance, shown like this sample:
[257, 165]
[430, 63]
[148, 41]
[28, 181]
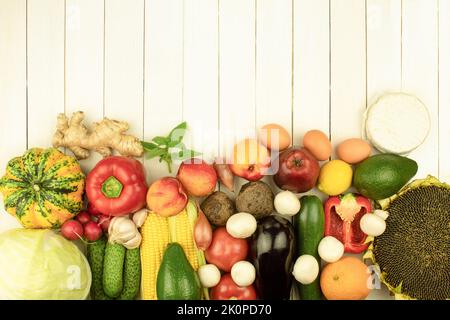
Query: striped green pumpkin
[43, 188]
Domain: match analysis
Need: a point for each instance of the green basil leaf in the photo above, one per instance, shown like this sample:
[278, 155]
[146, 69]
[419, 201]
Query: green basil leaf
[187, 154]
[176, 144]
[148, 145]
[155, 152]
[177, 133]
[161, 141]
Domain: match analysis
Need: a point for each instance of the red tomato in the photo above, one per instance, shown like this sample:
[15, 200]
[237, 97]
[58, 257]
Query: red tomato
[226, 289]
[225, 250]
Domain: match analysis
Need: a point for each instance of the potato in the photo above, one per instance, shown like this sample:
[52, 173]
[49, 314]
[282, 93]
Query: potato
[218, 208]
[255, 198]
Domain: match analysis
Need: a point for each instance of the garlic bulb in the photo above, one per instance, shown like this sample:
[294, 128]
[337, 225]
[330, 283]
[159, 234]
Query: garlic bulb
[134, 242]
[140, 217]
[124, 231]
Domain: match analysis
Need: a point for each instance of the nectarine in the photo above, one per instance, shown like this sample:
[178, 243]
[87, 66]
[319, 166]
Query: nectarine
[167, 197]
[198, 178]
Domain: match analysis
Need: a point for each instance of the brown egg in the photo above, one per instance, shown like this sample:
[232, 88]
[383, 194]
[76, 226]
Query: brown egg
[353, 150]
[274, 137]
[318, 144]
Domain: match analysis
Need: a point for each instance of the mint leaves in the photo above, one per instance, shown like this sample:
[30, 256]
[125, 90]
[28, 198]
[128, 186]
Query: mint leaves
[169, 148]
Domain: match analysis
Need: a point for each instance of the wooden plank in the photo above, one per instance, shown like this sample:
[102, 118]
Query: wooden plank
[311, 68]
[163, 74]
[444, 92]
[420, 72]
[237, 75]
[383, 64]
[46, 20]
[200, 80]
[274, 66]
[348, 69]
[13, 119]
[274, 63]
[84, 63]
[384, 52]
[124, 63]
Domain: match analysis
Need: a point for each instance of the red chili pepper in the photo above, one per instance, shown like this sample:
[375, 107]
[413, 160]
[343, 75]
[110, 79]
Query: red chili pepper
[342, 216]
[116, 186]
[226, 289]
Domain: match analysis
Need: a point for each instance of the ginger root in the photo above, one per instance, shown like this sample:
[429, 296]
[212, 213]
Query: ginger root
[105, 136]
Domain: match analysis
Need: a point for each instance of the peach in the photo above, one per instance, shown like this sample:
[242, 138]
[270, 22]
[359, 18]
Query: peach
[167, 197]
[250, 160]
[198, 178]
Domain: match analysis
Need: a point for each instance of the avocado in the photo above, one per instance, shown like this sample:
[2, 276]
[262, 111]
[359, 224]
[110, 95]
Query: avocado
[383, 175]
[176, 279]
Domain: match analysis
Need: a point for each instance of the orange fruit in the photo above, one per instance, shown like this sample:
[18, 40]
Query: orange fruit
[346, 279]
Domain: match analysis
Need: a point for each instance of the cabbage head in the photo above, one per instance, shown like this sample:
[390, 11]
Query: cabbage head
[41, 265]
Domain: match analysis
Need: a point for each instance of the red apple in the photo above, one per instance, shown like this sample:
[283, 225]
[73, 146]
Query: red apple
[298, 170]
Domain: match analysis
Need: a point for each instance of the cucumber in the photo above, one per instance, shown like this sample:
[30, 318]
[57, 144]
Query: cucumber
[113, 269]
[309, 230]
[95, 253]
[132, 276]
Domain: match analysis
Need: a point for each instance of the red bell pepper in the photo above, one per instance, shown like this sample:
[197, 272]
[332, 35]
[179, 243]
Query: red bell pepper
[226, 289]
[342, 216]
[116, 186]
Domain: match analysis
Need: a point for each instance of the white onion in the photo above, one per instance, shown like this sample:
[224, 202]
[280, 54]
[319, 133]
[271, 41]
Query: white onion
[306, 269]
[372, 225]
[209, 275]
[243, 273]
[286, 203]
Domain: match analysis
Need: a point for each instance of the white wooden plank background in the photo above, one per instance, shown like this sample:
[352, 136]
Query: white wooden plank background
[225, 66]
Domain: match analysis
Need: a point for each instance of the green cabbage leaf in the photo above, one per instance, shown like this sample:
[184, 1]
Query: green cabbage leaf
[41, 265]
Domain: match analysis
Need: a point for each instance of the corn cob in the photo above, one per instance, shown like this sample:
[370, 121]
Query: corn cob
[155, 237]
[157, 232]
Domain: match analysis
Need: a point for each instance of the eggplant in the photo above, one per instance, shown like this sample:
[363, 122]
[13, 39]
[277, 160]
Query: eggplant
[272, 253]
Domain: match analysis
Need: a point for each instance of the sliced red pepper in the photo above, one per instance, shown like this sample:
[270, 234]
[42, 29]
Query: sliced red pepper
[116, 186]
[226, 289]
[342, 217]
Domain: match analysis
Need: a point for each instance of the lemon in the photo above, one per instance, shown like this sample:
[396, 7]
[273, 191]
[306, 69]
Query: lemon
[335, 177]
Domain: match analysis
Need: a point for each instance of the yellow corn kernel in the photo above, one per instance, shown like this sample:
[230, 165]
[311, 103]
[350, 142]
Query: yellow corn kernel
[155, 237]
